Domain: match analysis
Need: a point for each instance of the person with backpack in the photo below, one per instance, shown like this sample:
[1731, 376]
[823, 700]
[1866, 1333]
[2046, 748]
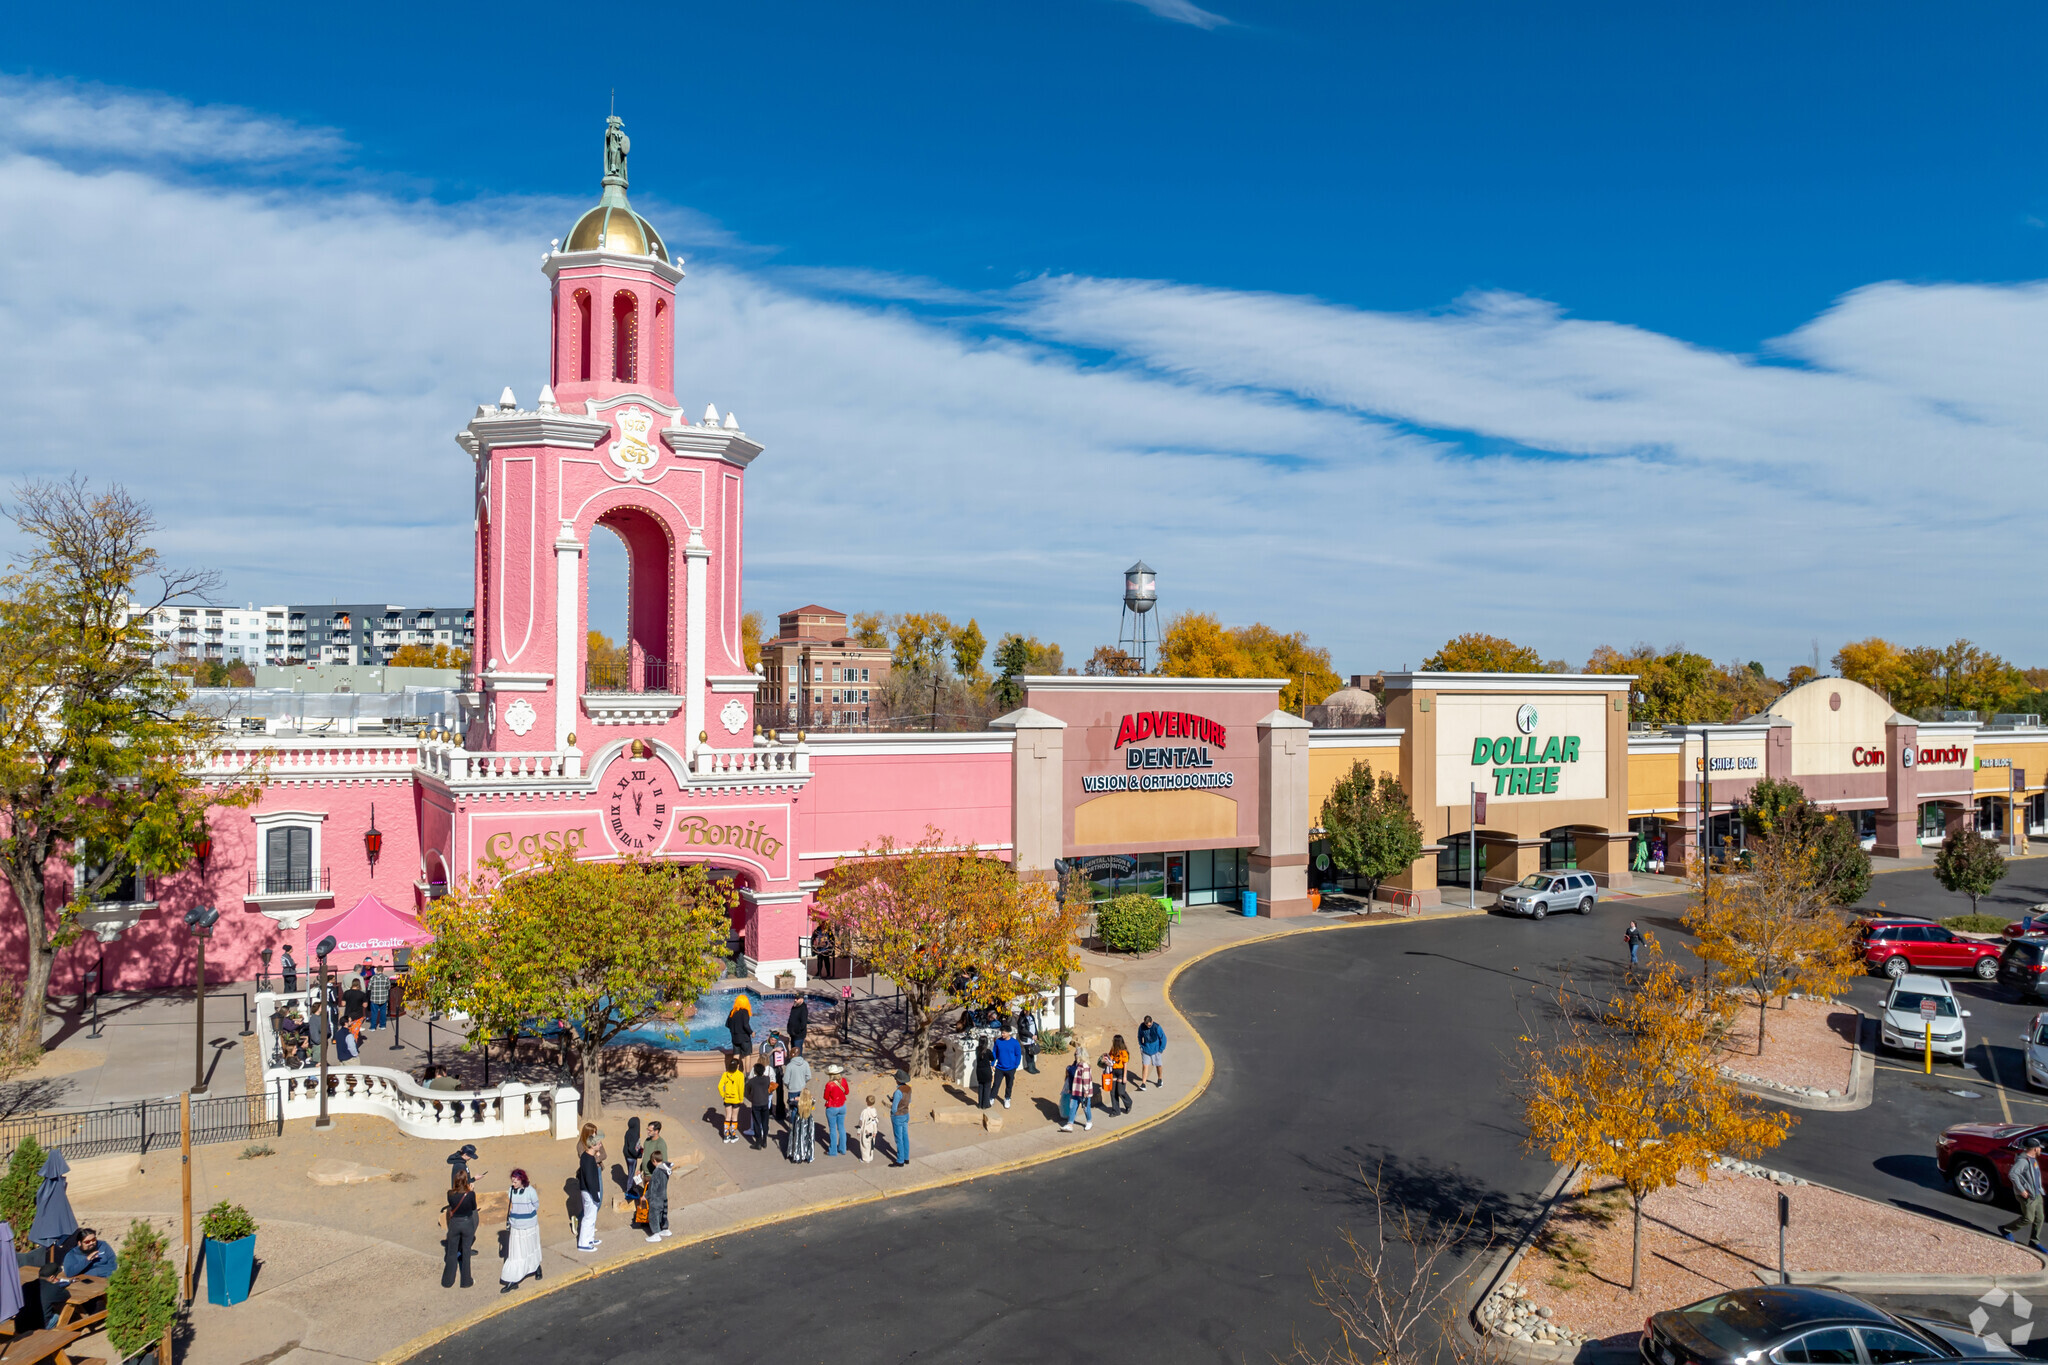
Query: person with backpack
[732, 1093]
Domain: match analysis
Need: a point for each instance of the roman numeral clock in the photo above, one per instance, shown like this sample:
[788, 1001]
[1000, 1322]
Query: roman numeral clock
[637, 812]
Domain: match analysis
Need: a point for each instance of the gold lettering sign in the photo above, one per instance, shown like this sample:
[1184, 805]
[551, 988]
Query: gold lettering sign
[696, 830]
[520, 850]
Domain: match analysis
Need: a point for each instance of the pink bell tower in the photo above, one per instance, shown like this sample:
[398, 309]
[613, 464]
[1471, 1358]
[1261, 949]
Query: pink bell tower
[656, 754]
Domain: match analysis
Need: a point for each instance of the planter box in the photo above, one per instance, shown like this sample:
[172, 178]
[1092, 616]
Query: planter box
[230, 1266]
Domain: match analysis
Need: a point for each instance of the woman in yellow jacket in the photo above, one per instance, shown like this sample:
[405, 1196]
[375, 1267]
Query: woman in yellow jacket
[732, 1092]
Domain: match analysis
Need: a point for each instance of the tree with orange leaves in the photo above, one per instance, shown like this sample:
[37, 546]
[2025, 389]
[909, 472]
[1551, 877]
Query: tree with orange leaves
[1635, 1092]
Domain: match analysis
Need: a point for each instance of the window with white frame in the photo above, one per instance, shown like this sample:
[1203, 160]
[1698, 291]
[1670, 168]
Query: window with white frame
[288, 854]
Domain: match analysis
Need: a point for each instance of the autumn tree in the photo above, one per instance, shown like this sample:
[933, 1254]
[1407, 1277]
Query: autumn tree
[1774, 929]
[1198, 645]
[1372, 831]
[1927, 679]
[1110, 662]
[98, 745]
[1841, 867]
[607, 947]
[1480, 653]
[929, 915]
[608, 663]
[870, 628]
[1969, 864]
[1636, 1093]
[753, 626]
[431, 656]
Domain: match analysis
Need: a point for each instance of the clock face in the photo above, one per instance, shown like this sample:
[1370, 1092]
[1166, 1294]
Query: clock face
[638, 805]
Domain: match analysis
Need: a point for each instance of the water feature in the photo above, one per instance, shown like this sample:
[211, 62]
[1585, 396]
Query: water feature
[704, 1030]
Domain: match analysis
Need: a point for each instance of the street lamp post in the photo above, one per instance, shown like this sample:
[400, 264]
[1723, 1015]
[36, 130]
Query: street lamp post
[200, 920]
[325, 946]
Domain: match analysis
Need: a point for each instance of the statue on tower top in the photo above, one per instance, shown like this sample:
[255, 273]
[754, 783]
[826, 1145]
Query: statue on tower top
[616, 145]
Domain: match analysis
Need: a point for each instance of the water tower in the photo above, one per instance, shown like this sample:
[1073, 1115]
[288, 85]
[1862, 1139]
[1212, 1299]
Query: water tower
[1141, 594]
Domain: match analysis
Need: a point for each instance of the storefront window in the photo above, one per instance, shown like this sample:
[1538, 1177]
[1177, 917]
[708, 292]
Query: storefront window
[2037, 813]
[1217, 876]
[1933, 820]
[1454, 863]
[1560, 851]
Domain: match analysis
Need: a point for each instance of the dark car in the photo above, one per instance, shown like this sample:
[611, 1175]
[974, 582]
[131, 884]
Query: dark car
[1897, 946]
[1797, 1325]
[2023, 968]
[1977, 1157]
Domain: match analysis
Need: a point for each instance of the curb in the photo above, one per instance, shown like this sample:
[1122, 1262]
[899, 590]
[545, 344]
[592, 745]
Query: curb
[1862, 1079]
[435, 1337]
[1498, 1269]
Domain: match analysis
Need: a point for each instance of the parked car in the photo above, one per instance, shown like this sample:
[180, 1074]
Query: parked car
[1901, 1024]
[1976, 1158]
[2019, 927]
[2023, 968]
[1539, 893]
[2035, 1042]
[1897, 946]
[1797, 1325]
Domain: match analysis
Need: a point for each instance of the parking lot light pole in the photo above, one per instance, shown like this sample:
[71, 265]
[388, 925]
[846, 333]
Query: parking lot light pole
[325, 947]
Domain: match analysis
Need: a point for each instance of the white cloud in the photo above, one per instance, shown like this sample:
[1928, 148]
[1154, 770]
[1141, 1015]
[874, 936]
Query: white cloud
[63, 116]
[1183, 12]
[281, 371]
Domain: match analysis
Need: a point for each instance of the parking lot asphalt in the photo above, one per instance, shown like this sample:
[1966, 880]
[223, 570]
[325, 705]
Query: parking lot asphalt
[1387, 1051]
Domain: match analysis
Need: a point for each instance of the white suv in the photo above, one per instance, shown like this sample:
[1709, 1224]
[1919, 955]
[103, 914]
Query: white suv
[1903, 1026]
[1539, 893]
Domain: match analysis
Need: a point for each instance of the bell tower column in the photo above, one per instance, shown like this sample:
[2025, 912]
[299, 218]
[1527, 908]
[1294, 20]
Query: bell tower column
[568, 578]
[698, 557]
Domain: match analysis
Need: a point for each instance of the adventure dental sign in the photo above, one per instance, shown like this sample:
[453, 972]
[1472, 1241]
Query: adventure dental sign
[1508, 749]
[1195, 735]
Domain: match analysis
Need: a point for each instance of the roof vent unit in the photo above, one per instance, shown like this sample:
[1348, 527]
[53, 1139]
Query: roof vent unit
[1970, 716]
[2016, 720]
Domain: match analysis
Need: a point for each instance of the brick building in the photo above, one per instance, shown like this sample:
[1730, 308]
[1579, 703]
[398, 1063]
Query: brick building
[819, 675]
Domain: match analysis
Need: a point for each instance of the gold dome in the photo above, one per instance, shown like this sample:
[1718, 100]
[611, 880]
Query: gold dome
[613, 226]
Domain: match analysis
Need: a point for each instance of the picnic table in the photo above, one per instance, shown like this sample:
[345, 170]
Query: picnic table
[84, 1308]
[48, 1345]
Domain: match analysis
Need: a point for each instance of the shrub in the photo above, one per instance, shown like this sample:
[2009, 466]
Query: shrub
[226, 1222]
[1054, 1043]
[142, 1297]
[1977, 924]
[256, 1149]
[1130, 923]
[18, 1187]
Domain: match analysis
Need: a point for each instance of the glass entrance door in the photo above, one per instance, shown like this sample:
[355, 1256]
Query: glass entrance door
[1176, 878]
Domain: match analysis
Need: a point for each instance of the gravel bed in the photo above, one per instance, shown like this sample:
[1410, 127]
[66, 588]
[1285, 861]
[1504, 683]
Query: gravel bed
[1705, 1238]
[1810, 1047]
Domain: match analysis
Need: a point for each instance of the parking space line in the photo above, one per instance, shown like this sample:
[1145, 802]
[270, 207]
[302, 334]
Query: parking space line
[1991, 1065]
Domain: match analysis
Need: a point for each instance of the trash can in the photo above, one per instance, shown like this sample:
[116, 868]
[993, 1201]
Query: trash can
[1251, 904]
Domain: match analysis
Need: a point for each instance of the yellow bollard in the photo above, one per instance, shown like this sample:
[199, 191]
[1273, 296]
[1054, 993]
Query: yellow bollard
[1930, 1047]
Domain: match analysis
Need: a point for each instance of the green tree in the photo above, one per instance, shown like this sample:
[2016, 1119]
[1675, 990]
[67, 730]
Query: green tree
[142, 1296]
[18, 1187]
[1841, 869]
[608, 947]
[1018, 656]
[1372, 831]
[1969, 864]
[1476, 652]
[98, 745]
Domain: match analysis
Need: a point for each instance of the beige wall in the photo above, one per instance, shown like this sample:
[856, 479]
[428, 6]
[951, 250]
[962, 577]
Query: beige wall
[1329, 764]
[1825, 736]
[1653, 780]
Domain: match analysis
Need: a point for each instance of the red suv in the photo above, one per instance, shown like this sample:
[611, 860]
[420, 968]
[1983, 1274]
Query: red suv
[1977, 1157]
[1898, 946]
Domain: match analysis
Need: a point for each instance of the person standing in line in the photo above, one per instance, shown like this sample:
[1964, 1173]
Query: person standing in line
[657, 1149]
[761, 1101]
[290, 969]
[2025, 1177]
[461, 1243]
[899, 1118]
[657, 1196]
[590, 1183]
[1008, 1054]
[522, 1233]
[629, 1151]
[803, 1129]
[796, 1079]
[1634, 938]
[984, 1072]
[835, 1110]
[732, 1093]
[740, 1024]
[1078, 1092]
[776, 1050]
[1027, 1034]
[356, 1000]
[870, 1130]
[799, 1022]
[1151, 1054]
[1116, 1075]
[380, 997]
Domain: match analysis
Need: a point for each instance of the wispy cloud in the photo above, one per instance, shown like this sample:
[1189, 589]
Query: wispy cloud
[1381, 480]
[68, 117]
[1183, 12]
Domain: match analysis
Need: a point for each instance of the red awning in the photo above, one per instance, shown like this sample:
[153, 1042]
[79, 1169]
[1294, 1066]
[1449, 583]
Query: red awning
[367, 931]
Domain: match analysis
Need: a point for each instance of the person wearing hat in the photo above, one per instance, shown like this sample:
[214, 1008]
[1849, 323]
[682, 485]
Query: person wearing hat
[836, 1090]
[2025, 1177]
[464, 1154]
[899, 1118]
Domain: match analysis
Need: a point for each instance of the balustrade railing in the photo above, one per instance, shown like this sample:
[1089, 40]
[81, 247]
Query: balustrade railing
[776, 760]
[647, 674]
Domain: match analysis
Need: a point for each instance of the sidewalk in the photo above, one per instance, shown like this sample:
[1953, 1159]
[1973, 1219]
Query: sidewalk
[351, 1271]
[144, 1051]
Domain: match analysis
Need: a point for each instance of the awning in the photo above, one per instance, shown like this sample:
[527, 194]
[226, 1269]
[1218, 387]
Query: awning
[366, 932]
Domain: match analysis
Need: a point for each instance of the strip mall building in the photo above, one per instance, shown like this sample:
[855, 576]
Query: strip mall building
[1202, 790]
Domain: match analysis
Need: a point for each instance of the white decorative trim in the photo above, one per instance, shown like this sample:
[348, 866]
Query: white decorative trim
[943, 848]
[714, 443]
[1509, 682]
[631, 708]
[697, 559]
[517, 682]
[765, 971]
[521, 716]
[1064, 682]
[733, 716]
[830, 746]
[578, 262]
[745, 682]
[108, 920]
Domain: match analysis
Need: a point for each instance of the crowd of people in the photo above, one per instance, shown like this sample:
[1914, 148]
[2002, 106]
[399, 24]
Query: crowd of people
[342, 1012]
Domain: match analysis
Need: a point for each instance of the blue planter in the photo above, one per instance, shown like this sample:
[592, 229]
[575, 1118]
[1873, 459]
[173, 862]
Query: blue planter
[230, 1266]
[1250, 902]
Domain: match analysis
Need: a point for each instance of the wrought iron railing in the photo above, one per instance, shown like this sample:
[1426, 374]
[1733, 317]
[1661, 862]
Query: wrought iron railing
[282, 882]
[145, 1126]
[622, 675]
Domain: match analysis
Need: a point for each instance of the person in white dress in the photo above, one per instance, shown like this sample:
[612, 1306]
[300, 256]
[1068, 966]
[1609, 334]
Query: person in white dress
[870, 1126]
[522, 1244]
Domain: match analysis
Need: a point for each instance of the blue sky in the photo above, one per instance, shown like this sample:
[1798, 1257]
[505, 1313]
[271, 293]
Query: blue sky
[1583, 323]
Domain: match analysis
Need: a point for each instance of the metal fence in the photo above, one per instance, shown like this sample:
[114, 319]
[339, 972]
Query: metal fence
[146, 1125]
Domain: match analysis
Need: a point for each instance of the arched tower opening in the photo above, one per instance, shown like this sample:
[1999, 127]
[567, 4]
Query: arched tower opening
[633, 593]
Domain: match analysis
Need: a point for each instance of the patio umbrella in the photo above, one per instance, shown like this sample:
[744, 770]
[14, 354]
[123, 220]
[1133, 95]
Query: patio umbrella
[54, 1219]
[10, 1285]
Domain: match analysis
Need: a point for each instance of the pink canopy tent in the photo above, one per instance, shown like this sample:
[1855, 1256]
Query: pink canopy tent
[365, 932]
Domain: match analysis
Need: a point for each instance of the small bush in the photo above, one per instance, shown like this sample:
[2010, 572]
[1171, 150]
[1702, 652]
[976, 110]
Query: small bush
[1977, 924]
[257, 1149]
[18, 1187]
[226, 1222]
[1130, 923]
[1057, 1041]
[142, 1297]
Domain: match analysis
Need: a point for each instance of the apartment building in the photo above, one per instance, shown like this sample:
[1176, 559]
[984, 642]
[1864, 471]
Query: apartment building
[371, 632]
[818, 675]
[249, 635]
